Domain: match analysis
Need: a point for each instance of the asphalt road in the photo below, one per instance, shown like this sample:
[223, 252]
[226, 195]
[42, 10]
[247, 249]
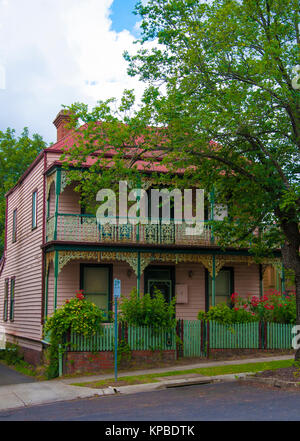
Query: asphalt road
[212, 402]
[10, 376]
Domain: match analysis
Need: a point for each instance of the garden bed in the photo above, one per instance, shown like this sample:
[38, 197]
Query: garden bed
[289, 374]
[236, 354]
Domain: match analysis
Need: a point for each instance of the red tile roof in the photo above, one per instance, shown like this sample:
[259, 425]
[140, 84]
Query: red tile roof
[68, 141]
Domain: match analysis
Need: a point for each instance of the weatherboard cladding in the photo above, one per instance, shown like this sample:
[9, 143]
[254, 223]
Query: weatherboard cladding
[51, 157]
[246, 279]
[24, 257]
[69, 201]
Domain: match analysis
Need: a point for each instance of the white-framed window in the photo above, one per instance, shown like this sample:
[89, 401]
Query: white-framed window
[14, 226]
[34, 210]
[12, 299]
[224, 286]
[5, 306]
[96, 285]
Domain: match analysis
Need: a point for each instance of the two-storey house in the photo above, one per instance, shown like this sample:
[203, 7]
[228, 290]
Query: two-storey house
[52, 250]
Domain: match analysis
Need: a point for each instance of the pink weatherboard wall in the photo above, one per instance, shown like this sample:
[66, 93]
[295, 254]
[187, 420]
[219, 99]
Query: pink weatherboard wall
[24, 258]
[246, 280]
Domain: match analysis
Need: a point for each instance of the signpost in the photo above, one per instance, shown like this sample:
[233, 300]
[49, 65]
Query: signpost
[117, 294]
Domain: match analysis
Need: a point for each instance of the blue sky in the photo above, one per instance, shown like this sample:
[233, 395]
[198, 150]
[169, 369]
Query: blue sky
[58, 52]
[122, 16]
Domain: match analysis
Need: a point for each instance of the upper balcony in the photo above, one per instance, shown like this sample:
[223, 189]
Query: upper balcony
[65, 223]
[80, 228]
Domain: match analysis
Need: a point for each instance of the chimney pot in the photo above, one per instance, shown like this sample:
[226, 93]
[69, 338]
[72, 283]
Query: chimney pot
[60, 122]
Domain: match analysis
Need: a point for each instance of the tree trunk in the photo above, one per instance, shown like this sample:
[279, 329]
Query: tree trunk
[291, 260]
[297, 284]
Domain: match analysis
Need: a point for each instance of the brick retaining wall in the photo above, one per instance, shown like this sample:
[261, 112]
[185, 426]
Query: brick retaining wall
[95, 361]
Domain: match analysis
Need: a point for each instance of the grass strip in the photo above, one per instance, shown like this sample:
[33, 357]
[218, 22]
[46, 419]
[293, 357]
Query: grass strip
[208, 371]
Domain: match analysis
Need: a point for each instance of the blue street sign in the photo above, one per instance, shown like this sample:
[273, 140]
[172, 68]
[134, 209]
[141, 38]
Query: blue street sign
[117, 288]
[117, 294]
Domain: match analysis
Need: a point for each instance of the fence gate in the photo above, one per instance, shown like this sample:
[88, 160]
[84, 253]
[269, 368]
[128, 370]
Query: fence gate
[193, 336]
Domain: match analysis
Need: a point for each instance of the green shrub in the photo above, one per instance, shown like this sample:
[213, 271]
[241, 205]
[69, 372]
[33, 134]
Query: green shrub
[222, 313]
[11, 355]
[148, 311]
[285, 312]
[124, 354]
[76, 315]
[202, 315]
[271, 307]
[243, 316]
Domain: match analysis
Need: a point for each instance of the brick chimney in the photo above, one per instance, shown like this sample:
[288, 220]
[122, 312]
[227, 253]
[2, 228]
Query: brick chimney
[60, 122]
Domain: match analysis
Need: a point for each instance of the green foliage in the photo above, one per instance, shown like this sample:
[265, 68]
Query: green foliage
[242, 316]
[272, 307]
[227, 114]
[16, 154]
[11, 354]
[148, 311]
[222, 313]
[124, 353]
[76, 315]
[227, 66]
[296, 364]
[201, 315]
[285, 312]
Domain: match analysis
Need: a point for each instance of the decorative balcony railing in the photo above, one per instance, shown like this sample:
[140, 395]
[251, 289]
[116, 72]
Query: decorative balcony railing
[84, 228]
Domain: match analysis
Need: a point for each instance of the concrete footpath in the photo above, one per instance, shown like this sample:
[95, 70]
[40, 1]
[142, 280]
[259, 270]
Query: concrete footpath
[28, 394]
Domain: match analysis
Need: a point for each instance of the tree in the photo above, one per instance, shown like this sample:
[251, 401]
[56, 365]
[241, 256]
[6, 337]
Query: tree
[16, 154]
[222, 90]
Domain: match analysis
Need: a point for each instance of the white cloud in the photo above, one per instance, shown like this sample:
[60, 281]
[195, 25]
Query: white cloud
[57, 52]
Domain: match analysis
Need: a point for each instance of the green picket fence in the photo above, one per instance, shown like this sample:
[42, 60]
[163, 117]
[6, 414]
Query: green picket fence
[235, 336]
[139, 338]
[196, 337]
[279, 336]
[101, 341]
[256, 335]
[193, 337]
[144, 338]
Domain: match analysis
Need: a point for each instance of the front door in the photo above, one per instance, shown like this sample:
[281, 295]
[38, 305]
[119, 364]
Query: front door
[164, 286]
[161, 278]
